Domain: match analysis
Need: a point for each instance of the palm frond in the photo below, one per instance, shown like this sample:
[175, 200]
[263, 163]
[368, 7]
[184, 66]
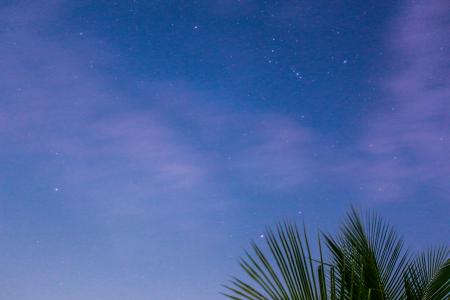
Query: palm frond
[428, 276]
[289, 272]
[374, 248]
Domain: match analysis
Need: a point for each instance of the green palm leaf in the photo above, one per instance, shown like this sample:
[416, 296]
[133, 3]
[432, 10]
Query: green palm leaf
[428, 277]
[288, 272]
[374, 248]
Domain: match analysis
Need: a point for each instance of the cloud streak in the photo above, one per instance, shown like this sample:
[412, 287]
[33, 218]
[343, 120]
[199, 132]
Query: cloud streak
[165, 150]
[58, 104]
[405, 147]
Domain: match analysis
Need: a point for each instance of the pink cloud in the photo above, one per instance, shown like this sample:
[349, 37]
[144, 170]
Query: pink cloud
[278, 154]
[407, 145]
[123, 158]
[180, 142]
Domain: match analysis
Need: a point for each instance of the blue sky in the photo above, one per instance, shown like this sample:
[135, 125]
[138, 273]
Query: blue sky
[145, 143]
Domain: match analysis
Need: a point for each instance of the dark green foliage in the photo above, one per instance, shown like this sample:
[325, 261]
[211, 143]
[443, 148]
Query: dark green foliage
[428, 276]
[376, 253]
[366, 260]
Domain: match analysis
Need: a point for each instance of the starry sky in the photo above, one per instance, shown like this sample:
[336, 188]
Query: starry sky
[143, 144]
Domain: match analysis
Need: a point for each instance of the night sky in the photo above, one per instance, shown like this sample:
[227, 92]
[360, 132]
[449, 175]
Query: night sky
[143, 144]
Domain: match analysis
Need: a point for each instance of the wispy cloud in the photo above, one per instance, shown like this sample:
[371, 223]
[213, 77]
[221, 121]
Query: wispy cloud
[91, 137]
[91, 134]
[278, 155]
[405, 147]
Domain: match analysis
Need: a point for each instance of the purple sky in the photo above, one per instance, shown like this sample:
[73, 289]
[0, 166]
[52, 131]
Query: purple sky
[125, 178]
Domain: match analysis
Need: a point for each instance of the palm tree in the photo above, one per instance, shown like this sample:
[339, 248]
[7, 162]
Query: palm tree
[366, 260]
